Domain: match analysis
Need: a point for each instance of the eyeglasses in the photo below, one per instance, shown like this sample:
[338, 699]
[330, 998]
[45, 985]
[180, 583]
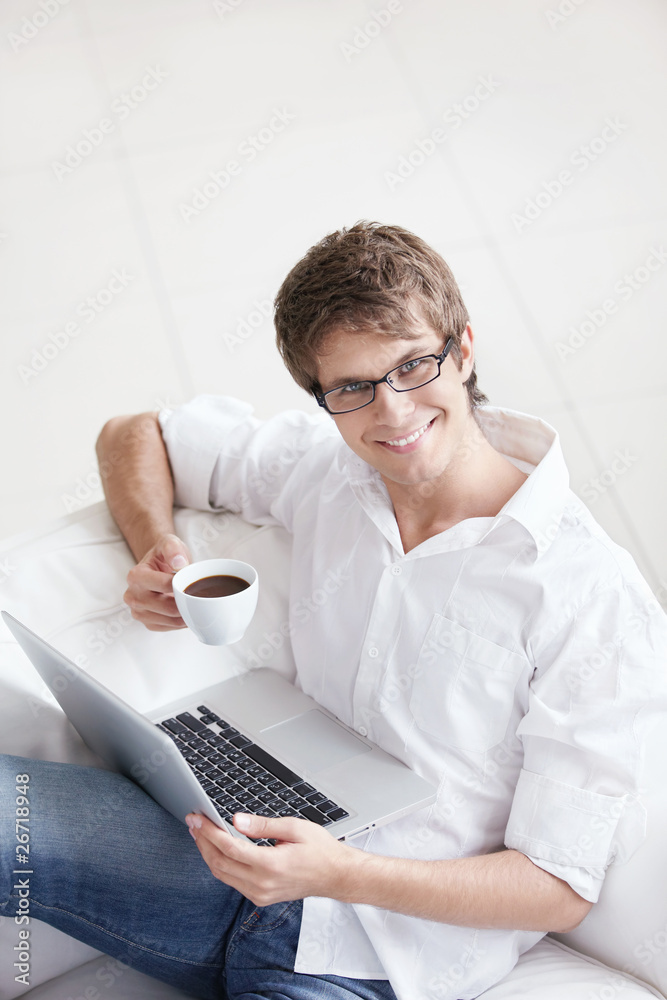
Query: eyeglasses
[412, 375]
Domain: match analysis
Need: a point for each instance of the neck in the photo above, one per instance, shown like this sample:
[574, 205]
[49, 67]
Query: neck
[477, 482]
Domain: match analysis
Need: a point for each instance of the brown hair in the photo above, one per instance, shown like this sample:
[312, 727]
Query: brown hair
[367, 277]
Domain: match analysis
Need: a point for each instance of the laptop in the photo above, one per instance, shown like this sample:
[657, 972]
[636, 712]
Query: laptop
[252, 743]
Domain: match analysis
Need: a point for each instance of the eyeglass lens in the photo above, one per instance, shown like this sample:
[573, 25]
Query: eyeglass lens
[409, 376]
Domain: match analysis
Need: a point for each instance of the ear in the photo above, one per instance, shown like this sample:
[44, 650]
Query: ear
[467, 350]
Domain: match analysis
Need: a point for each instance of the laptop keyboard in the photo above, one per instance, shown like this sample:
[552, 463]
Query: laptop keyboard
[240, 776]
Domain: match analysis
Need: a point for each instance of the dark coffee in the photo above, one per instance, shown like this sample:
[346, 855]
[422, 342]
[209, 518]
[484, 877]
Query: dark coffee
[216, 586]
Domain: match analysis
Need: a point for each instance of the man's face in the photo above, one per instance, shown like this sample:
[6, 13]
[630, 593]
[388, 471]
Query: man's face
[432, 420]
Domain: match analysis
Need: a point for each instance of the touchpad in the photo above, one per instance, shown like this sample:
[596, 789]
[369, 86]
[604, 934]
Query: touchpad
[314, 738]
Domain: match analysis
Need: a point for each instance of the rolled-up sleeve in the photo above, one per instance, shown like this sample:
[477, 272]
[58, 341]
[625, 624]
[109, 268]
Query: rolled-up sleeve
[223, 457]
[598, 688]
[194, 435]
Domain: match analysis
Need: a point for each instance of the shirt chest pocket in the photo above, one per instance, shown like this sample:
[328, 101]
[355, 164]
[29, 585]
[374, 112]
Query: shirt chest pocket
[464, 690]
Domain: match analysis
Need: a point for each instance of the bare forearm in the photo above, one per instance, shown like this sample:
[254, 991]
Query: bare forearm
[137, 479]
[503, 890]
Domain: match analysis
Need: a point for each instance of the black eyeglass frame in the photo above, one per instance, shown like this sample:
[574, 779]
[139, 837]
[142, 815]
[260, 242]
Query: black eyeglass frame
[321, 397]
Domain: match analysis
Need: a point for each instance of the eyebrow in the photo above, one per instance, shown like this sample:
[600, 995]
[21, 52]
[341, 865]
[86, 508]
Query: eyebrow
[415, 352]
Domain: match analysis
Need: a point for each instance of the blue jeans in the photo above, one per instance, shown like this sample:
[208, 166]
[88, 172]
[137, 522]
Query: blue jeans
[112, 868]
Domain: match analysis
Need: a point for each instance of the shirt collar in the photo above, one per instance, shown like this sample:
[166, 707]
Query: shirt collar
[534, 446]
[529, 442]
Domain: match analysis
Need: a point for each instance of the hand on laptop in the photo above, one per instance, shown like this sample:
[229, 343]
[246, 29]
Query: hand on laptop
[307, 860]
[149, 594]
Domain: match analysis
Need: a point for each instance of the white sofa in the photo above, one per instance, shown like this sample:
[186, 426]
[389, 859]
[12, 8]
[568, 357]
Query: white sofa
[66, 581]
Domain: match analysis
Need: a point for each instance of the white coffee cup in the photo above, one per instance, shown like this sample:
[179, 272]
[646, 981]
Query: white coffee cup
[217, 621]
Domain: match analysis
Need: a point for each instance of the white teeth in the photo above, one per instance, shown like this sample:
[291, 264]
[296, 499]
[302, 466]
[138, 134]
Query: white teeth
[401, 442]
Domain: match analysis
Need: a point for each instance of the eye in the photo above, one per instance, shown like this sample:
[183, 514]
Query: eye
[410, 366]
[353, 387]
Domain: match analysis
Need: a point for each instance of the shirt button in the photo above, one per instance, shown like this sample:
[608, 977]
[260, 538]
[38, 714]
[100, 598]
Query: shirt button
[396, 570]
[373, 651]
[362, 731]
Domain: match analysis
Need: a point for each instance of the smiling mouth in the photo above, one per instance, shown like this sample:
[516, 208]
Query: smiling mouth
[410, 439]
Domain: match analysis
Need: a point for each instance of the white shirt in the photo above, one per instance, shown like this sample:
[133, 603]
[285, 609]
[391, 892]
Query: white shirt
[512, 660]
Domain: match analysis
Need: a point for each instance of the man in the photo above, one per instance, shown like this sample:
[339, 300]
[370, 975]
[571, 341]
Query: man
[485, 631]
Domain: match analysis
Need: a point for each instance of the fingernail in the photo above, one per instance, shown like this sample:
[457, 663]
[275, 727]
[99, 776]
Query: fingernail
[178, 562]
[193, 834]
[243, 821]
[193, 820]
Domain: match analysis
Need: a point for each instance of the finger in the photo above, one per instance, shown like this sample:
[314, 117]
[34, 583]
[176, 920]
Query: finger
[145, 577]
[148, 600]
[171, 554]
[228, 857]
[288, 830]
[155, 620]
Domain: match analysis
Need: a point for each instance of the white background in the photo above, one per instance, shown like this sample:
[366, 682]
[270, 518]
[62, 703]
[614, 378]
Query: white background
[363, 97]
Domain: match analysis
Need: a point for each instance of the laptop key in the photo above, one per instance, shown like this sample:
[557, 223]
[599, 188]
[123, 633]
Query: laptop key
[174, 726]
[303, 788]
[274, 804]
[276, 786]
[316, 797]
[244, 797]
[191, 722]
[313, 814]
[337, 814]
[240, 741]
[287, 793]
[204, 710]
[327, 806]
[226, 730]
[272, 765]
[224, 782]
[255, 770]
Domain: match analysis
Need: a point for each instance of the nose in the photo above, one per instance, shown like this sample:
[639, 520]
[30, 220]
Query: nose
[391, 407]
